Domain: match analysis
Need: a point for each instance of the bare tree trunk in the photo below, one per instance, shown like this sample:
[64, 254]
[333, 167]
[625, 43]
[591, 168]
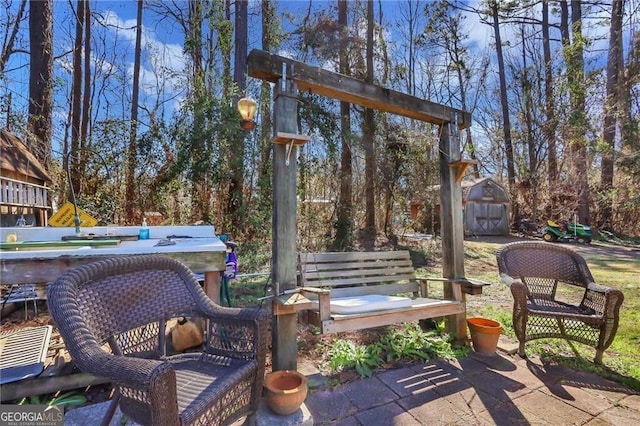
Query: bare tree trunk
[132, 163]
[614, 66]
[368, 139]
[506, 121]
[236, 185]
[527, 93]
[551, 124]
[226, 57]
[226, 42]
[630, 135]
[574, 58]
[264, 175]
[345, 202]
[86, 93]
[40, 77]
[411, 22]
[631, 77]
[76, 101]
[581, 124]
[460, 67]
[199, 178]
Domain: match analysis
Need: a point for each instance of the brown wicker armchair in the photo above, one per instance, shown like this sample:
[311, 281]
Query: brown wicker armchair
[541, 277]
[112, 315]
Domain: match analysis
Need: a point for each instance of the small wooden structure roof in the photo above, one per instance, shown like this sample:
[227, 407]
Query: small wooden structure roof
[17, 160]
[24, 182]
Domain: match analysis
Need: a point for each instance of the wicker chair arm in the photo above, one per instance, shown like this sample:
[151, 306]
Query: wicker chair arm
[606, 300]
[217, 313]
[213, 311]
[508, 279]
[518, 289]
[132, 372]
[599, 288]
[154, 378]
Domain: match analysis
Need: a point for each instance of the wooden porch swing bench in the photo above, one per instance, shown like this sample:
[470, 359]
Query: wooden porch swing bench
[356, 290]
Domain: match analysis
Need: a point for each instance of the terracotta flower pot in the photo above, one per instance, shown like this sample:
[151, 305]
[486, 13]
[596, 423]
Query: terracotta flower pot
[286, 391]
[484, 334]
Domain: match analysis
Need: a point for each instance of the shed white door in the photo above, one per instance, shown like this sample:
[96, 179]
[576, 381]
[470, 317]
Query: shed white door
[486, 219]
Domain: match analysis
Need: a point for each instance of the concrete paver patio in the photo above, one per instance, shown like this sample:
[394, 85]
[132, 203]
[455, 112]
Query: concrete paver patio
[480, 389]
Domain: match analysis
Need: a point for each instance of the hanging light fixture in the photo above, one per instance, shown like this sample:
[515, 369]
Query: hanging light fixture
[247, 108]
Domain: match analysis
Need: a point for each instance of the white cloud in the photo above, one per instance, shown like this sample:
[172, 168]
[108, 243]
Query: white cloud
[163, 63]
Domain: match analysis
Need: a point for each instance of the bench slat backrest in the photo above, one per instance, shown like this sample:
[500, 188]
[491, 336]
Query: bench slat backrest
[358, 269]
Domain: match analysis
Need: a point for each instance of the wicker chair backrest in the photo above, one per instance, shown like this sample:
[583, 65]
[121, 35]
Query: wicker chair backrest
[126, 298]
[530, 259]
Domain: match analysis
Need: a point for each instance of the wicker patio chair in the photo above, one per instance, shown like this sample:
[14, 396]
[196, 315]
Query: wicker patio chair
[541, 277]
[112, 315]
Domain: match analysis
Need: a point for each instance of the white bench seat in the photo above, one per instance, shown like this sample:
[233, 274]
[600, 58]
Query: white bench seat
[358, 290]
[366, 303]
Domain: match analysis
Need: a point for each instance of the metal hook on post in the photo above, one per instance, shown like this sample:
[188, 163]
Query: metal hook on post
[288, 154]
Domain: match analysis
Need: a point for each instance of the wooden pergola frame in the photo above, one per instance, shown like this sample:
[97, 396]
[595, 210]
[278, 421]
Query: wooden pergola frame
[291, 76]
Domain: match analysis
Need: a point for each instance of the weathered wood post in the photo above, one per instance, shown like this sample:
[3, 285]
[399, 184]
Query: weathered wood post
[451, 217]
[284, 225]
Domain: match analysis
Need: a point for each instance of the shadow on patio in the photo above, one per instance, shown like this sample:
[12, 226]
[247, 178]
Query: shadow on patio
[479, 389]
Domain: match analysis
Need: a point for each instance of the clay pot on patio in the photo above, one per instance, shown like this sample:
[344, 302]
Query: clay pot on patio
[286, 390]
[484, 334]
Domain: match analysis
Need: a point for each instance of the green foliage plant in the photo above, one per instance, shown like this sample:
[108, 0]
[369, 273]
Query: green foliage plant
[345, 354]
[407, 343]
[73, 397]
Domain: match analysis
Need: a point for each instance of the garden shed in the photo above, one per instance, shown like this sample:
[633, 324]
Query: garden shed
[486, 207]
[485, 203]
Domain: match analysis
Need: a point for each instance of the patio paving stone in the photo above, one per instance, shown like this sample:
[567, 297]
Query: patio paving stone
[550, 409]
[578, 398]
[368, 393]
[388, 414]
[327, 405]
[499, 386]
[508, 414]
[432, 409]
[597, 385]
[618, 416]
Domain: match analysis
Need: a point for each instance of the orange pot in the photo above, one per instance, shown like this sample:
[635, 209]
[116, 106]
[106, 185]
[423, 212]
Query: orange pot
[484, 334]
[286, 391]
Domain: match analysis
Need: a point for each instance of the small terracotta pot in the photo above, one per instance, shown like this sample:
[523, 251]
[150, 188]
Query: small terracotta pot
[286, 391]
[484, 334]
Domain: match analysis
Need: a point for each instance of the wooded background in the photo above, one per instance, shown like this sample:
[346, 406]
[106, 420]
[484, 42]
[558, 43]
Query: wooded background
[149, 126]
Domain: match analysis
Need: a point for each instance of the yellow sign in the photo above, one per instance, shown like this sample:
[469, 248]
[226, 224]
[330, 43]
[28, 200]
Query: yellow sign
[64, 217]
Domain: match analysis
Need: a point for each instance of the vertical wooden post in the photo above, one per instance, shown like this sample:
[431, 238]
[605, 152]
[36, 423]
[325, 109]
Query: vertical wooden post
[284, 327]
[451, 219]
[212, 285]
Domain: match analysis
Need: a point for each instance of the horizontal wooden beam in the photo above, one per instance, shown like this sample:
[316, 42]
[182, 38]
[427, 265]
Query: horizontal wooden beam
[267, 66]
